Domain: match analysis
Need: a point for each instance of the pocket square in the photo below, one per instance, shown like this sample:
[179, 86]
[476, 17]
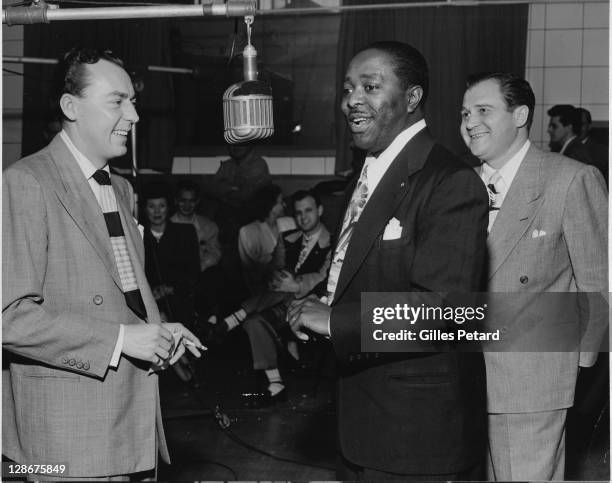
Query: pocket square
[537, 233]
[393, 230]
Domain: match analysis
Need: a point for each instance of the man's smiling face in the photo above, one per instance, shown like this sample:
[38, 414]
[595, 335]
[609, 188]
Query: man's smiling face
[374, 103]
[488, 127]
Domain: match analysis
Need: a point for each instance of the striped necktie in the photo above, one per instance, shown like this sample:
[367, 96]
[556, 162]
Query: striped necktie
[495, 186]
[358, 201]
[108, 204]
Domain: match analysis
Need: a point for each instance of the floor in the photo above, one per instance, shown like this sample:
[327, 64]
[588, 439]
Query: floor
[293, 440]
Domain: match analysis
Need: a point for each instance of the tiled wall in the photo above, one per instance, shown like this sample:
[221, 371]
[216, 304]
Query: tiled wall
[12, 94]
[567, 59]
[278, 165]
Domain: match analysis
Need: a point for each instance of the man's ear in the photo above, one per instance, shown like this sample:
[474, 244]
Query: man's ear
[320, 210]
[69, 107]
[520, 115]
[414, 95]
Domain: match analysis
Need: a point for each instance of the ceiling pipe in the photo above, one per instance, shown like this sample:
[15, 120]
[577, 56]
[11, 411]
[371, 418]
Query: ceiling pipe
[402, 5]
[41, 12]
[41, 60]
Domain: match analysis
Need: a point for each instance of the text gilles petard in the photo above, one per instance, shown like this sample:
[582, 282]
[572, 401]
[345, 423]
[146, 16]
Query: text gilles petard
[448, 316]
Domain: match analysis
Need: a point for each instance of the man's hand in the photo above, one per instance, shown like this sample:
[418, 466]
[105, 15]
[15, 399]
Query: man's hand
[148, 342]
[309, 313]
[284, 281]
[185, 339]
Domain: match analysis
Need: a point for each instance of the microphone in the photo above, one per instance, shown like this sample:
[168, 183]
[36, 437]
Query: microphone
[247, 105]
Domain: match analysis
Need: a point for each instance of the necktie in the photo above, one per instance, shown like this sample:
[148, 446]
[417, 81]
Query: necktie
[358, 201]
[303, 252]
[108, 203]
[495, 188]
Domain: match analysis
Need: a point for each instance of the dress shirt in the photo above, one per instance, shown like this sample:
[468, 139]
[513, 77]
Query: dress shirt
[507, 171]
[377, 166]
[88, 170]
[566, 144]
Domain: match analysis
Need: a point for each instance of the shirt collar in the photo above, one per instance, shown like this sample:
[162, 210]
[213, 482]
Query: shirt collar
[377, 166]
[85, 164]
[566, 144]
[507, 171]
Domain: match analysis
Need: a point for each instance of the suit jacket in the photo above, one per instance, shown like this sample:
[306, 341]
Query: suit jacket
[413, 413]
[62, 306]
[550, 235]
[599, 156]
[578, 151]
[312, 274]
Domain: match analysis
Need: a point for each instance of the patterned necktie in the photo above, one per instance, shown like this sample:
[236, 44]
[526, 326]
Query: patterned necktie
[495, 187]
[108, 203]
[358, 201]
[304, 252]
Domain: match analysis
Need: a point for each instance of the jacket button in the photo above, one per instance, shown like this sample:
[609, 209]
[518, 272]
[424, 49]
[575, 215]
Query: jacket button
[79, 365]
[86, 366]
[98, 299]
[71, 362]
[524, 279]
[64, 360]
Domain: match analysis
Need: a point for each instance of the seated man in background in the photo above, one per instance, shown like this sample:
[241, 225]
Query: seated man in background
[297, 267]
[208, 289]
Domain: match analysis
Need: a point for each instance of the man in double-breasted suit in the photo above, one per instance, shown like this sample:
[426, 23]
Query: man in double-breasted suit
[415, 222]
[79, 319]
[548, 233]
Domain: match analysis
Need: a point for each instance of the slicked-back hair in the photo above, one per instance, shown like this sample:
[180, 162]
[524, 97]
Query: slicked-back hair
[410, 66]
[263, 200]
[515, 90]
[567, 114]
[303, 194]
[71, 75]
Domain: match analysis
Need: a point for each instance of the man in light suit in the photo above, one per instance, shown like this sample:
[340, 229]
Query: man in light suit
[415, 222]
[79, 319]
[548, 226]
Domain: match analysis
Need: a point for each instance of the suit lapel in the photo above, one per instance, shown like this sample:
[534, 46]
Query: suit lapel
[517, 211]
[78, 200]
[391, 190]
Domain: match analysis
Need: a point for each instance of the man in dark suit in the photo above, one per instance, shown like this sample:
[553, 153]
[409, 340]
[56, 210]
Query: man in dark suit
[78, 315]
[416, 222]
[598, 152]
[563, 129]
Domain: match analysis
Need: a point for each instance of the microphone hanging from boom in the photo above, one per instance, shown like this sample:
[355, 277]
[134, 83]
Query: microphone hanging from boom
[247, 105]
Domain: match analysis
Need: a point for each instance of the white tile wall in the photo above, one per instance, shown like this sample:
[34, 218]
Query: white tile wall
[535, 50]
[563, 15]
[563, 47]
[594, 84]
[568, 59]
[562, 85]
[595, 49]
[317, 165]
[596, 15]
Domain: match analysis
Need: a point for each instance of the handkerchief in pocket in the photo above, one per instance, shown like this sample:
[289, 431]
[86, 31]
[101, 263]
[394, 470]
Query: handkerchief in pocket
[393, 230]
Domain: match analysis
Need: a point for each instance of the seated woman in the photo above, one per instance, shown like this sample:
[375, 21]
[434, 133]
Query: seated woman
[172, 262]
